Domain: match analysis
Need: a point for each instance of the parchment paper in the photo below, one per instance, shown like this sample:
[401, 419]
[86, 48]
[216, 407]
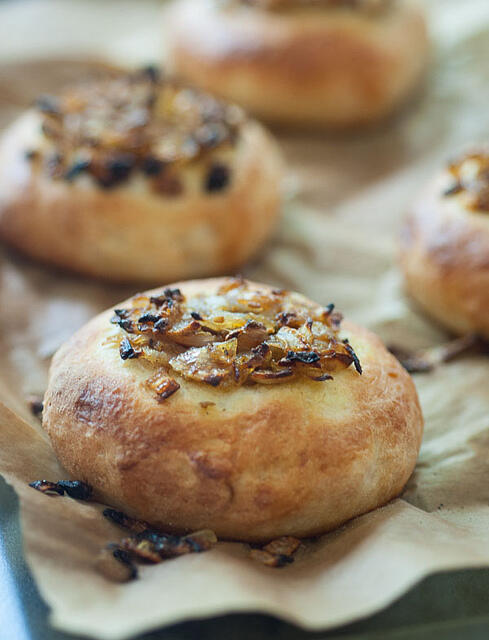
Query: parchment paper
[336, 243]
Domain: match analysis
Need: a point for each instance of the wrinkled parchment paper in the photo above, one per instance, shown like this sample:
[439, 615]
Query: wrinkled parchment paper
[336, 243]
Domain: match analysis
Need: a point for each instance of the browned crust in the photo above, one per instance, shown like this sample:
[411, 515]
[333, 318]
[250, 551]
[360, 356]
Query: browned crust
[130, 233]
[333, 69]
[251, 463]
[445, 260]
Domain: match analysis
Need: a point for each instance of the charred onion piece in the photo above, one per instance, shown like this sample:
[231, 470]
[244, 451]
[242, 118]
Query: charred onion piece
[270, 559]
[306, 357]
[236, 336]
[116, 564]
[153, 546]
[356, 361]
[141, 550]
[285, 546]
[218, 178]
[36, 405]
[147, 545]
[76, 489]
[453, 190]
[120, 124]
[123, 520]
[267, 376]
[200, 541]
[73, 488]
[45, 486]
[127, 351]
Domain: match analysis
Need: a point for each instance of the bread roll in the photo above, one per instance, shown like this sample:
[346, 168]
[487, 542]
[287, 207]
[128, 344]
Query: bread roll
[229, 405]
[445, 246]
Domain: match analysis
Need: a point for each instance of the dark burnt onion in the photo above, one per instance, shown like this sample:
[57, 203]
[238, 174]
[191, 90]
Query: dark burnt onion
[77, 168]
[125, 521]
[116, 565]
[73, 488]
[48, 104]
[218, 178]
[147, 545]
[76, 489]
[127, 351]
[36, 405]
[238, 335]
[162, 385]
[46, 486]
[152, 166]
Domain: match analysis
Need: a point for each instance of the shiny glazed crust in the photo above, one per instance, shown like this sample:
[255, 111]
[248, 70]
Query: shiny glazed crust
[445, 259]
[250, 462]
[312, 66]
[130, 233]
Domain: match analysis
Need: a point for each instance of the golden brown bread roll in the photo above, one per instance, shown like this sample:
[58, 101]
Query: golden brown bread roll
[229, 405]
[136, 177]
[445, 246]
[334, 63]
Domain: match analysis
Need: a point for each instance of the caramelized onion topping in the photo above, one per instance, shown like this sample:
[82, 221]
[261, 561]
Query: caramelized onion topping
[147, 546]
[238, 335]
[470, 175]
[122, 123]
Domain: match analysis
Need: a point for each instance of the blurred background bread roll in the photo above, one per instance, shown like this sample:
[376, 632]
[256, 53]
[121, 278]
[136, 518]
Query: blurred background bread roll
[311, 63]
[134, 176]
[445, 246]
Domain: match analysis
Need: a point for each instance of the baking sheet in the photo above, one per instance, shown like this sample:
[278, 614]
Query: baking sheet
[336, 243]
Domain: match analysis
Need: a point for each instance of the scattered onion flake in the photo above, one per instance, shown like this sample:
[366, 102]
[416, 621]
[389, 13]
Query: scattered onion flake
[73, 488]
[277, 553]
[162, 385]
[36, 405]
[118, 561]
[238, 335]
